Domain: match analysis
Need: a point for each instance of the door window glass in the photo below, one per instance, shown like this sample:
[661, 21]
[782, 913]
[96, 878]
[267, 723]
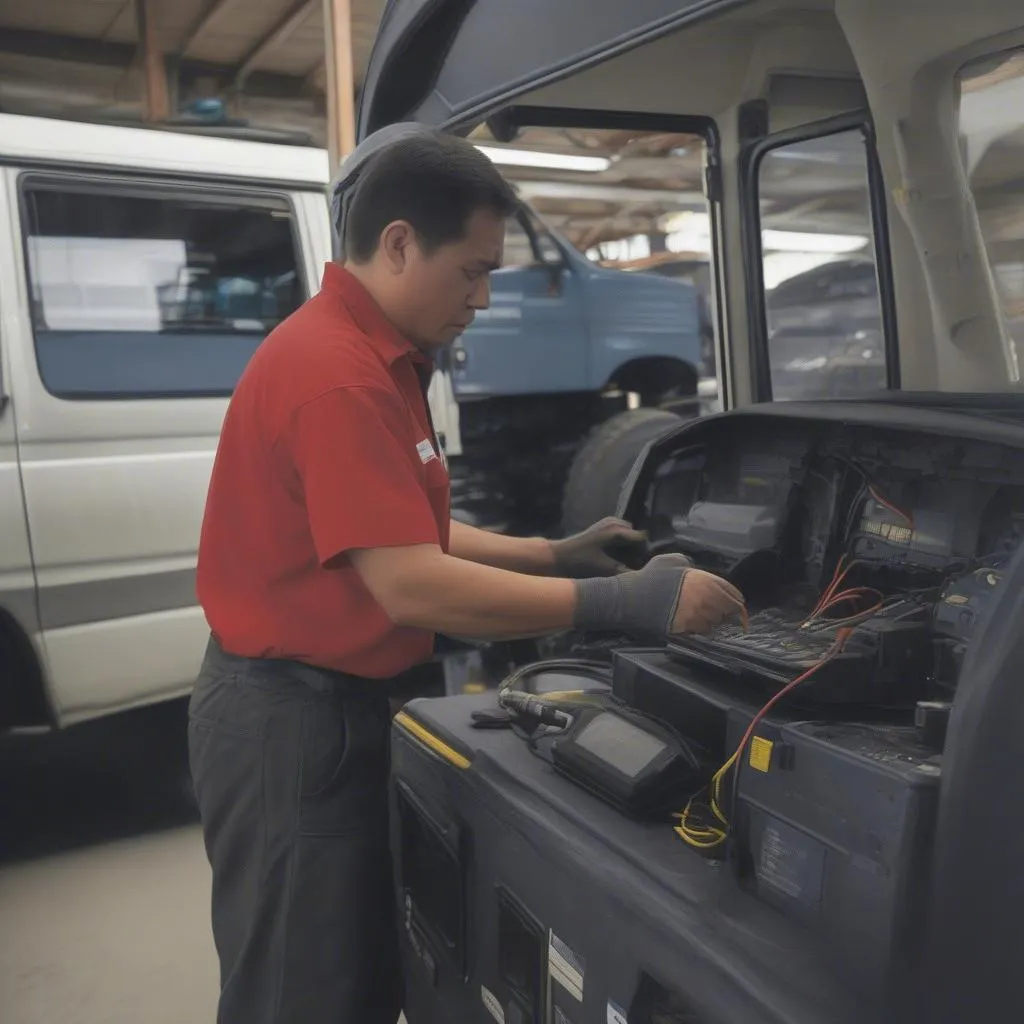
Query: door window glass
[136, 295]
[822, 303]
[630, 199]
[992, 134]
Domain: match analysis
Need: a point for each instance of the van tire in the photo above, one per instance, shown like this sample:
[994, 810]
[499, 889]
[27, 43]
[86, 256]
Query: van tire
[603, 462]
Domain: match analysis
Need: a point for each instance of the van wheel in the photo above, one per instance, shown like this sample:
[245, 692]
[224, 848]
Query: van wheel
[603, 462]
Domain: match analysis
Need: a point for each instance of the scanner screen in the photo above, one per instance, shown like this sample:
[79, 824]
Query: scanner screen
[620, 744]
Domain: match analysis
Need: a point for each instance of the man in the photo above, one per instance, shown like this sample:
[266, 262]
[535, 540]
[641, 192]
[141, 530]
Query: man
[327, 563]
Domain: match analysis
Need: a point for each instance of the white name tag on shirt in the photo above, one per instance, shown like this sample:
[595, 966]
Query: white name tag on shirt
[426, 452]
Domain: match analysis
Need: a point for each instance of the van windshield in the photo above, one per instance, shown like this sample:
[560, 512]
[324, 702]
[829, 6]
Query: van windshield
[991, 101]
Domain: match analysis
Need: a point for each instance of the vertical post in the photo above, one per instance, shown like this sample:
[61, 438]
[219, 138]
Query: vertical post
[341, 103]
[158, 103]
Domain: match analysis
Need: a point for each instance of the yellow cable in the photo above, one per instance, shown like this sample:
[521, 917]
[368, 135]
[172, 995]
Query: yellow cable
[704, 836]
[709, 836]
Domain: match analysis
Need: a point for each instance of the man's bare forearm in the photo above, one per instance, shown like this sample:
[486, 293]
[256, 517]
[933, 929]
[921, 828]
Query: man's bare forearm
[423, 587]
[532, 555]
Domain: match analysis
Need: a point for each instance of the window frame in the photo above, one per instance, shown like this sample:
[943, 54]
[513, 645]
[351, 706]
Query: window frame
[522, 219]
[751, 158]
[526, 116]
[997, 58]
[130, 186]
[538, 232]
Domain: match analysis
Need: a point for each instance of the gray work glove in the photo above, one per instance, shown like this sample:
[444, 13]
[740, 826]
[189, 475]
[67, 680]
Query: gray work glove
[667, 596]
[593, 552]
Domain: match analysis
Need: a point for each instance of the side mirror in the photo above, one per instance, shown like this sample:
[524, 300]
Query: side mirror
[504, 127]
[556, 272]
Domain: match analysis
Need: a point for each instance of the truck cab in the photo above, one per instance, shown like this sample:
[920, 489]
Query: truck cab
[560, 324]
[872, 431]
[550, 369]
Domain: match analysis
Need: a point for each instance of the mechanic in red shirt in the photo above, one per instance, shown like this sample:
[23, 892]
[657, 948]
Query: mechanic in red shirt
[328, 561]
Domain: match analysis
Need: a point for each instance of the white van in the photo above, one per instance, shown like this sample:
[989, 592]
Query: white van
[139, 269]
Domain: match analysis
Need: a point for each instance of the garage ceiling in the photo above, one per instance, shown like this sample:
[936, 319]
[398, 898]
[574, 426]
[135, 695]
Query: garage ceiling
[266, 57]
[265, 60]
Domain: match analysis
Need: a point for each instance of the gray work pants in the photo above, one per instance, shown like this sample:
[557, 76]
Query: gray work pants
[290, 768]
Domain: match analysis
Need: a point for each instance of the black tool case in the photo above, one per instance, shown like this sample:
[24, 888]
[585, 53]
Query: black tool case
[526, 899]
[834, 817]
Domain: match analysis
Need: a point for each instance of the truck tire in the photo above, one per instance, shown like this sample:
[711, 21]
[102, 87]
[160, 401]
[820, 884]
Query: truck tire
[603, 462]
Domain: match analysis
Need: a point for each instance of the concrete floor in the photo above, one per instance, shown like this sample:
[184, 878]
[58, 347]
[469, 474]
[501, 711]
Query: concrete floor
[104, 885]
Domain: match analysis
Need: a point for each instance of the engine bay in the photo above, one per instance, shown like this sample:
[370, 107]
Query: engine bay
[866, 539]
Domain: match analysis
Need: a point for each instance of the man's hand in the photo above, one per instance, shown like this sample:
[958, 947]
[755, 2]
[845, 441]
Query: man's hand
[421, 587]
[666, 596]
[594, 551]
[705, 601]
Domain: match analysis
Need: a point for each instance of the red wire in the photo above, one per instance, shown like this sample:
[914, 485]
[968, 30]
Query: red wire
[853, 594]
[841, 637]
[734, 761]
[890, 506]
[836, 580]
[841, 598]
[831, 592]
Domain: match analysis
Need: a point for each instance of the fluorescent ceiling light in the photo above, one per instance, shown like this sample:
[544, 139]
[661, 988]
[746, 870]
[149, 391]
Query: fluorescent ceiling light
[610, 193]
[548, 161]
[687, 220]
[781, 266]
[688, 241]
[807, 241]
[636, 247]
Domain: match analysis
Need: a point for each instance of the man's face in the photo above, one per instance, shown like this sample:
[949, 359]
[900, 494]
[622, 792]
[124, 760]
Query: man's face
[434, 297]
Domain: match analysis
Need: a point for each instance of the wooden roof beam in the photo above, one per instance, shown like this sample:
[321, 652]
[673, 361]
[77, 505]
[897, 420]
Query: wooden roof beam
[341, 101]
[97, 53]
[157, 102]
[311, 79]
[206, 16]
[278, 34]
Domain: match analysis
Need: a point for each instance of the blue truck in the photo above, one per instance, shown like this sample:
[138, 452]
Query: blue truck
[571, 371]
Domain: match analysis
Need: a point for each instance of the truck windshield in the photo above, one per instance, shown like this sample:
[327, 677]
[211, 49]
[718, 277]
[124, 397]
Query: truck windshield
[991, 99]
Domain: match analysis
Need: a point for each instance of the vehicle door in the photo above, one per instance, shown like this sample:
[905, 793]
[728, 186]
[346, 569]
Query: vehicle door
[145, 300]
[533, 339]
[435, 61]
[17, 578]
[825, 327]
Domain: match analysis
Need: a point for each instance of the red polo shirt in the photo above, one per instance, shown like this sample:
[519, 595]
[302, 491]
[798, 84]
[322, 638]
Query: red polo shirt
[327, 447]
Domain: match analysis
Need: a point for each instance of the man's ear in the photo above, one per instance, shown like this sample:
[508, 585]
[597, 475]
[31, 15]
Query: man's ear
[396, 243]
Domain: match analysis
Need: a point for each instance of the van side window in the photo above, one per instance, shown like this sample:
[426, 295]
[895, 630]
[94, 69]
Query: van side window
[822, 303]
[153, 293]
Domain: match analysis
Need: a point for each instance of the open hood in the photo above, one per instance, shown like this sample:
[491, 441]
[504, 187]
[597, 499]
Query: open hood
[435, 61]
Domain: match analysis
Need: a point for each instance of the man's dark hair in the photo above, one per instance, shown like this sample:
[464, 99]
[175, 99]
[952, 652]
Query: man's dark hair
[436, 182]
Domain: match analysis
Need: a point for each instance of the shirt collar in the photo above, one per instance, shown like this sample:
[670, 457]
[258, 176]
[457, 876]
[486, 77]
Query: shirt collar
[382, 335]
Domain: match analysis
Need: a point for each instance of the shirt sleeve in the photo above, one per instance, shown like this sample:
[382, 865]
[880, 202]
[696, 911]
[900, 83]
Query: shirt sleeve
[353, 452]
